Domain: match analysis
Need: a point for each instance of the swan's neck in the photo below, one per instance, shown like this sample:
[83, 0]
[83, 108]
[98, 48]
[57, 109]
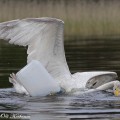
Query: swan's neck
[107, 86]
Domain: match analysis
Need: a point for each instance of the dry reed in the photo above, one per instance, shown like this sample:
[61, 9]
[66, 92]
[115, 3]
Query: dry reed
[85, 18]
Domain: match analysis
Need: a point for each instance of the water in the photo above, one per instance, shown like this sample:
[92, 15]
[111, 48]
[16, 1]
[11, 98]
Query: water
[98, 105]
[82, 55]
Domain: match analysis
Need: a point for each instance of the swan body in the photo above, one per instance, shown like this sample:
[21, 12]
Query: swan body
[44, 38]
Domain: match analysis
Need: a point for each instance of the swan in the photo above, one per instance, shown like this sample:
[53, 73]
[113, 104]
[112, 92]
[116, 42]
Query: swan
[44, 38]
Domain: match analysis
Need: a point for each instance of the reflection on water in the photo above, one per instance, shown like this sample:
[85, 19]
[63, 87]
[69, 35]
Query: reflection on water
[82, 55]
[12, 58]
[94, 54]
[97, 105]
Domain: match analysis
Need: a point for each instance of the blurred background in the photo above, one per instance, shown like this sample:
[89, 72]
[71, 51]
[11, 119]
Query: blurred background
[83, 18]
[92, 33]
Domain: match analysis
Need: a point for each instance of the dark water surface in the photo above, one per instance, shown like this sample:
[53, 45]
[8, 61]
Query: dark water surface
[82, 55]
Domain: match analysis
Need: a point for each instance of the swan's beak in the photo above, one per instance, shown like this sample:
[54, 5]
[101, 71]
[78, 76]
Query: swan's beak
[117, 91]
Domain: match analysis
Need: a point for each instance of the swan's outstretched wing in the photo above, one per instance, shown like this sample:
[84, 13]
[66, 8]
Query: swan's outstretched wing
[44, 37]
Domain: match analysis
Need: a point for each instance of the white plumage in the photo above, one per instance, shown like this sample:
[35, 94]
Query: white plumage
[44, 38]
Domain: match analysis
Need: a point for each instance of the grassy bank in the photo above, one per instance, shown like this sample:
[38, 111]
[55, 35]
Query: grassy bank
[85, 18]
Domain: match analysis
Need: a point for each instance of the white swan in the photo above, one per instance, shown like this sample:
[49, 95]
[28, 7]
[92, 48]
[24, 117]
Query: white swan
[44, 38]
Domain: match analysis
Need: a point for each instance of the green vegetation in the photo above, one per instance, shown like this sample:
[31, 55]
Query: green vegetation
[83, 18]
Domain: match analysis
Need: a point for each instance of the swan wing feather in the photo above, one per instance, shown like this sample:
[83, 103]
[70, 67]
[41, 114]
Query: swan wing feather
[44, 38]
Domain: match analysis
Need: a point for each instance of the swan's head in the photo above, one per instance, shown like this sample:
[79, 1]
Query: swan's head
[116, 89]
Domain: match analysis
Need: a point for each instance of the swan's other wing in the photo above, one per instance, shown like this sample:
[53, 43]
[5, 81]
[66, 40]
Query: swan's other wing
[44, 37]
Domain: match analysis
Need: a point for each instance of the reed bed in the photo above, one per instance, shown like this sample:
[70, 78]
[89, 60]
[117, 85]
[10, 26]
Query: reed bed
[83, 18]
